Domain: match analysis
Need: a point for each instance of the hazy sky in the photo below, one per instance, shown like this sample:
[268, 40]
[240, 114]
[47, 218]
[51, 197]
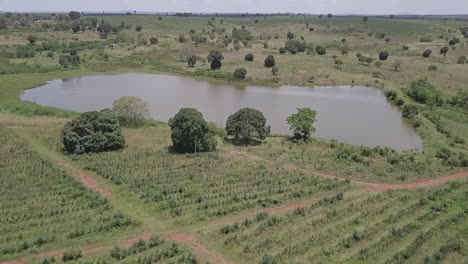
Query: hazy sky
[253, 6]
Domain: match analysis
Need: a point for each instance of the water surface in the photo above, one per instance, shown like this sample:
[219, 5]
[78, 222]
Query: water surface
[356, 115]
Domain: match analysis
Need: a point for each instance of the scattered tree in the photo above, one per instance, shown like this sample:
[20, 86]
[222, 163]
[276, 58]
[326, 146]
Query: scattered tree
[247, 126]
[461, 60]
[92, 132]
[191, 133]
[76, 27]
[191, 60]
[153, 40]
[383, 55]
[131, 110]
[215, 57]
[138, 28]
[301, 123]
[444, 51]
[365, 19]
[282, 50]
[270, 61]
[74, 15]
[427, 53]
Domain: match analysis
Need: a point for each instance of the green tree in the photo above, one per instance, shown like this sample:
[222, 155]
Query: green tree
[461, 60]
[427, 53]
[92, 132]
[301, 123]
[247, 126]
[154, 40]
[270, 61]
[191, 133]
[131, 110]
[295, 46]
[422, 91]
[240, 73]
[75, 27]
[249, 57]
[365, 19]
[215, 57]
[138, 28]
[74, 15]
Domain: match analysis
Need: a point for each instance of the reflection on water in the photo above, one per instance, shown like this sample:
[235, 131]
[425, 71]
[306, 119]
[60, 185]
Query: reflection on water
[352, 114]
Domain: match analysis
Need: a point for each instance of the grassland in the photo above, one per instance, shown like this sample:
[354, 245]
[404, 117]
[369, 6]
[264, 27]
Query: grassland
[218, 199]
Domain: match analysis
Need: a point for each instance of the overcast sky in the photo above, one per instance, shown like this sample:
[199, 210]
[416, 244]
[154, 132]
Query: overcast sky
[252, 6]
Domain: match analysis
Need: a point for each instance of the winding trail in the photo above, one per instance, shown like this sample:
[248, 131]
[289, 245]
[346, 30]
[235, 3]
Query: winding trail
[187, 239]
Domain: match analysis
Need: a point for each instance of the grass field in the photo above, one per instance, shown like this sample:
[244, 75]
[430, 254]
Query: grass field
[272, 203]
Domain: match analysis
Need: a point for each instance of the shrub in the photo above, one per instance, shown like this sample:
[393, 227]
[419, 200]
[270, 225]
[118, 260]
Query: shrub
[405, 47]
[387, 39]
[320, 50]
[138, 28]
[426, 39]
[71, 255]
[247, 126]
[192, 60]
[191, 133]
[444, 51]
[427, 53]
[283, 50]
[301, 123]
[422, 91]
[295, 46]
[274, 70]
[154, 40]
[32, 39]
[92, 132]
[410, 111]
[383, 55]
[240, 73]
[249, 57]
[270, 61]
[461, 60]
[432, 68]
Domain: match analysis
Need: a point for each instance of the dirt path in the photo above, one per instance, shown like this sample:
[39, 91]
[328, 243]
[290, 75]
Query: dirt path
[376, 187]
[188, 239]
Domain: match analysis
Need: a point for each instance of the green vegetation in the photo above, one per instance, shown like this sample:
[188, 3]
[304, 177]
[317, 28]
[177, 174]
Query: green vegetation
[191, 133]
[131, 110]
[221, 195]
[92, 132]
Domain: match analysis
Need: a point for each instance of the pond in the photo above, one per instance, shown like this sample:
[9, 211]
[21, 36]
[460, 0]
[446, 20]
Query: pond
[355, 115]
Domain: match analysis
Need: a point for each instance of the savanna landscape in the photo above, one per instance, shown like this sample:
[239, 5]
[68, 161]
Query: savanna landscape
[120, 185]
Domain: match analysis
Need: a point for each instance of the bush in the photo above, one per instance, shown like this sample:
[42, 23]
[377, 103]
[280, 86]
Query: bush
[249, 57]
[283, 50]
[405, 47]
[426, 39]
[295, 46]
[71, 255]
[432, 68]
[410, 111]
[383, 55]
[191, 133]
[247, 126]
[154, 40]
[92, 132]
[461, 60]
[427, 53]
[320, 50]
[32, 39]
[270, 61]
[240, 73]
[274, 70]
[422, 91]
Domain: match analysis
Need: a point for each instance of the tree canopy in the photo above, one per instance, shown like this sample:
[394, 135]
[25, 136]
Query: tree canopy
[215, 57]
[247, 126]
[191, 133]
[301, 123]
[270, 61]
[130, 109]
[74, 15]
[92, 132]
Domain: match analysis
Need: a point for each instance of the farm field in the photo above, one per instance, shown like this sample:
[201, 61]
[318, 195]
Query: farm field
[282, 200]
